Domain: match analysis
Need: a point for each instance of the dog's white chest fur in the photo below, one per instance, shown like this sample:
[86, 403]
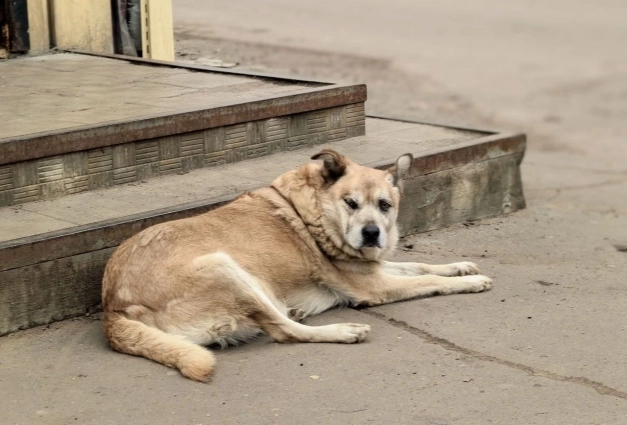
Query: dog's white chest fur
[316, 299]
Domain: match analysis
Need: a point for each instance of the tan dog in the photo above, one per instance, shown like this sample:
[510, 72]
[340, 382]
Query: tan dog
[313, 240]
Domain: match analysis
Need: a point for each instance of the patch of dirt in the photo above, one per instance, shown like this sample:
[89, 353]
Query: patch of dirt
[390, 91]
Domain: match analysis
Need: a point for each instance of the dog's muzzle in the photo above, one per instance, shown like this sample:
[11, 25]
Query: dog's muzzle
[370, 235]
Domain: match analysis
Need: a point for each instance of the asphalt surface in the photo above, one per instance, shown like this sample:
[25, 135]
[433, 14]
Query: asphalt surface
[545, 346]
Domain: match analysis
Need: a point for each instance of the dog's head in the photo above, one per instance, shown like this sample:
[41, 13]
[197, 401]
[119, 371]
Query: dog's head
[355, 206]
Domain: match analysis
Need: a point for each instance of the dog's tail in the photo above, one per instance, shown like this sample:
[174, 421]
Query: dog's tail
[133, 337]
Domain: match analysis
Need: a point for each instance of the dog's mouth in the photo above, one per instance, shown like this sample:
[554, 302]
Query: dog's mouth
[370, 251]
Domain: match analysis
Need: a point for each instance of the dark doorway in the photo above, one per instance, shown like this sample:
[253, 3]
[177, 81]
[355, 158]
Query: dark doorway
[4, 31]
[13, 27]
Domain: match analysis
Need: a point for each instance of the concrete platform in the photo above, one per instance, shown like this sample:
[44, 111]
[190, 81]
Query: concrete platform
[52, 253]
[59, 92]
[74, 122]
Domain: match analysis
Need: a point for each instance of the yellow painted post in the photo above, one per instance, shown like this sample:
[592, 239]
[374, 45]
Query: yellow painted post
[157, 29]
[82, 24]
[38, 26]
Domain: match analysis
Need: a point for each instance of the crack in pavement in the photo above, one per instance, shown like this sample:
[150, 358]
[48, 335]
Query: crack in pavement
[451, 346]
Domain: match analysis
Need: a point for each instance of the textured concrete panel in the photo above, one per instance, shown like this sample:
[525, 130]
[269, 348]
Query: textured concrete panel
[49, 291]
[470, 192]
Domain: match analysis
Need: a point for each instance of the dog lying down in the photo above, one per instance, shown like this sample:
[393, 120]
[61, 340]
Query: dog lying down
[314, 239]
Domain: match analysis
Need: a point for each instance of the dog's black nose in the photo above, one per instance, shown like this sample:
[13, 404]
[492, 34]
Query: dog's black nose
[370, 235]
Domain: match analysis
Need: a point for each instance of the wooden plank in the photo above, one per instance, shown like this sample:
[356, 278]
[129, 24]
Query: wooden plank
[157, 30]
[82, 24]
[38, 25]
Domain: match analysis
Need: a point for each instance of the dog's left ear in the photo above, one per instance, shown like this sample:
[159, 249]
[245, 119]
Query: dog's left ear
[400, 169]
[334, 164]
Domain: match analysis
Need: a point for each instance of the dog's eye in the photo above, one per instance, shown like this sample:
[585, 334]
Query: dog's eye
[351, 203]
[384, 205]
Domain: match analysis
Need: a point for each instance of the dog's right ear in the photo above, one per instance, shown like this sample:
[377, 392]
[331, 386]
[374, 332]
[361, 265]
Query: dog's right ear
[334, 164]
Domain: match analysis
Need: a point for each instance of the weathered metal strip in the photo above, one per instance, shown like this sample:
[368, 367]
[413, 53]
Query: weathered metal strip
[203, 68]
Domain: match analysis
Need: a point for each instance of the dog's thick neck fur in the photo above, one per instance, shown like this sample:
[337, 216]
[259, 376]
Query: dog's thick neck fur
[299, 188]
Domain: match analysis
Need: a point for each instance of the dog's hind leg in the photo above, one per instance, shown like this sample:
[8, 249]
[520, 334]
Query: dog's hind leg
[255, 302]
[134, 337]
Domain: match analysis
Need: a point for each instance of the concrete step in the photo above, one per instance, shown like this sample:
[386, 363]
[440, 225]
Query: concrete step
[75, 122]
[53, 252]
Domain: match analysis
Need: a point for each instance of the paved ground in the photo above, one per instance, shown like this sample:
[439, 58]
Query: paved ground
[546, 346]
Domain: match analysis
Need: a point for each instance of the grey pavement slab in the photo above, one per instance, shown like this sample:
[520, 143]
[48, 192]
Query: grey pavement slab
[66, 374]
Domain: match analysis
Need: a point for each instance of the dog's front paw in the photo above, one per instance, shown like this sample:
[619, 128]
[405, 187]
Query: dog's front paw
[350, 333]
[478, 283]
[463, 268]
